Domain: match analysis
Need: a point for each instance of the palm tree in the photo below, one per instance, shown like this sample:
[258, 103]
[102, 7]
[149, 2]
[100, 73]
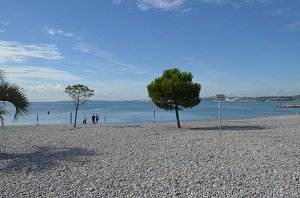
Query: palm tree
[12, 93]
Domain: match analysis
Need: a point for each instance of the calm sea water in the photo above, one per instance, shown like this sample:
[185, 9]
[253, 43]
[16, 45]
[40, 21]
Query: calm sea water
[120, 112]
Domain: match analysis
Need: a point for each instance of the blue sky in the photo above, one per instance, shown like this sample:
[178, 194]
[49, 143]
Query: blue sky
[117, 47]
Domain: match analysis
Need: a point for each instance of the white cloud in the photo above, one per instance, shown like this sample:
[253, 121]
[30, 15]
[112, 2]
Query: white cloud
[222, 2]
[186, 10]
[37, 92]
[217, 2]
[1, 31]
[160, 4]
[83, 47]
[4, 23]
[119, 90]
[284, 91]
[12, 51]
[117, 1]
[236, 3]
[258, 1]
[32, 73]
[54, 32]
[179, 4]
[295, 26]
[88, 71]
[45, 89]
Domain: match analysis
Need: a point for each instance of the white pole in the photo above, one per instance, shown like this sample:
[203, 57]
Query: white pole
[220, 97]
[220, 118]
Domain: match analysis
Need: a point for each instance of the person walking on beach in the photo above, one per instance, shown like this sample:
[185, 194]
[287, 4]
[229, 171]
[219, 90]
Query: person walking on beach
[84, 119]
[97, 119]
[93, 119]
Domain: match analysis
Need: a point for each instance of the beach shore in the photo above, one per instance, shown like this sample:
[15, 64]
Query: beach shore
[253, 158]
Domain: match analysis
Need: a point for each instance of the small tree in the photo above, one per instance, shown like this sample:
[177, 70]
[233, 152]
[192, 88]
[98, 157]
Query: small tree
[79, 93]
[174, 90]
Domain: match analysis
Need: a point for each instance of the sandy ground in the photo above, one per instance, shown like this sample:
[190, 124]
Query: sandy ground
[253, 158]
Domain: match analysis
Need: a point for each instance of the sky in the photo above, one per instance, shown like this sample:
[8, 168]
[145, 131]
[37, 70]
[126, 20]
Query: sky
[117, 47]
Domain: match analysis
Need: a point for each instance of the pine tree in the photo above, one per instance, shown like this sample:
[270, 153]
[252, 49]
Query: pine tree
[174, 90]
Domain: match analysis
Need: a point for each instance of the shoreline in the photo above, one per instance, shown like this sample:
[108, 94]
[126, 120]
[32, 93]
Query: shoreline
[145, 123]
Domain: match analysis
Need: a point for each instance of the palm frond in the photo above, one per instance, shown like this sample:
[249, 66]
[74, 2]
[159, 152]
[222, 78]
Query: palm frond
[13, 93]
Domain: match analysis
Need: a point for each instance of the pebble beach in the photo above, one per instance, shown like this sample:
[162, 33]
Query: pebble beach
[251, 158]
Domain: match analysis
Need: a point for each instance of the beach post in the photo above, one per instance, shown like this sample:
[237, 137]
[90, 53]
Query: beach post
[70, 117]
[37, 119]
[154, 116]
[220, 97]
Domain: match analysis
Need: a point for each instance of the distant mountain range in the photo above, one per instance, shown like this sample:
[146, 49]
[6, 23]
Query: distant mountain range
[256, 99]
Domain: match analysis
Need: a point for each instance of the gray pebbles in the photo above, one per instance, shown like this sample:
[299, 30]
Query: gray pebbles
[253, 158]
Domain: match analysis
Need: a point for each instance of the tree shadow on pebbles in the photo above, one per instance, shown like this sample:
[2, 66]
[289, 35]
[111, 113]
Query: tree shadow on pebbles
[43, 158]
[230, 128]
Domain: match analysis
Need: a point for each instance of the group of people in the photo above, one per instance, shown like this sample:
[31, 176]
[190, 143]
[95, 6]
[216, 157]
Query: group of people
[95, 119]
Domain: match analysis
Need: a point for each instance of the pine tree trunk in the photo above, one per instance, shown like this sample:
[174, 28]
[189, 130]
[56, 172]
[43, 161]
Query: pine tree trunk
[177, 115]
[77, 105]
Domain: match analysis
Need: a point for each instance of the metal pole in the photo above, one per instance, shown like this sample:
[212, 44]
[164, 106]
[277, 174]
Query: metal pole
[154, 115]
[70, 117]
[220, 126]
[37, 119]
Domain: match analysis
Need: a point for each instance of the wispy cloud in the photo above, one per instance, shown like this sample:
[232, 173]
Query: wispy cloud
[195, 62]
[236, 2]
[12, 51]
[113, 65]
[160, 4]
[284, 8]
[117, 1]
[45, 91]
[295, 26]
[45, 88]
[222, 2]
[277, 7]
[57, 32]
[4, 23]
[281, 12]
[84, 47]
[43, 73]
[185, 10]
[284, 91]
[180, 5]
[218, 2]
[258, 1]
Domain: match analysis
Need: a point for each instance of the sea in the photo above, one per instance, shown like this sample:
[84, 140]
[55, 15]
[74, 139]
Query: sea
[134, 112]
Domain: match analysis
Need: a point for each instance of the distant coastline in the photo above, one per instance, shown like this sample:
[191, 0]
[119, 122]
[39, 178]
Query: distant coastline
[288, 106]
[295, 98]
